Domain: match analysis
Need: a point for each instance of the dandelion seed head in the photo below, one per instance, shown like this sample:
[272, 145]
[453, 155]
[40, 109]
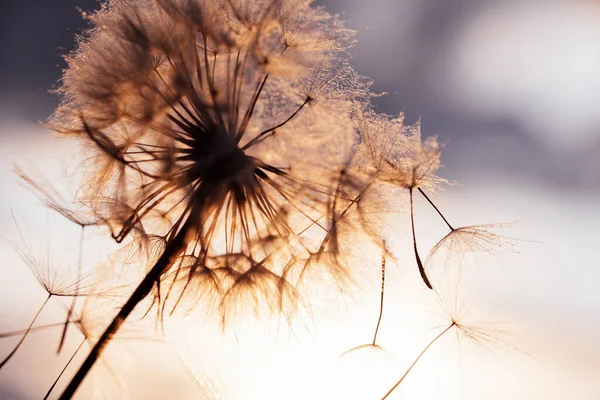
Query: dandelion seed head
[230, 119]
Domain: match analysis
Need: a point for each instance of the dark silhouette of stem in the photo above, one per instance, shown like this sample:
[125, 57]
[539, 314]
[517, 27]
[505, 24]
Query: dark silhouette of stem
[412, 223]
[436, 209]
[12, 353]
[381, 300]
[417, 360]
[172, 251]
[64, 369]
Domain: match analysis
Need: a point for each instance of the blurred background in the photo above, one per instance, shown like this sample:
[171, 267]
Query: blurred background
[511, 87]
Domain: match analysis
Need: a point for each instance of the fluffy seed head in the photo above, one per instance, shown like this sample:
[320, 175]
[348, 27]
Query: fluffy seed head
[229, 120]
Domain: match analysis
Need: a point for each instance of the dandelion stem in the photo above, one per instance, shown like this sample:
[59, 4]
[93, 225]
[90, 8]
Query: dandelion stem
[171, 252]
[12, 353]
[64, 369]
[412, 223]
[417, 360]
[381, 300]
[436, 209]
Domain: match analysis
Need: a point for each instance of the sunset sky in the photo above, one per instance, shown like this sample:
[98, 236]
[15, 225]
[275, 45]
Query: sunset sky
[512, 89]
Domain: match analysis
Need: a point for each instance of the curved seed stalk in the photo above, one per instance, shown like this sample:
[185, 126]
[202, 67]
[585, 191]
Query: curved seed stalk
[381, 298]
[374, 343]
[14, 350]
[412, 224]
[389, 392]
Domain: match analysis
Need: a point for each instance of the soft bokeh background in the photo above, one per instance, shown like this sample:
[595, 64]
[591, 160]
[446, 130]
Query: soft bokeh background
[512, 87]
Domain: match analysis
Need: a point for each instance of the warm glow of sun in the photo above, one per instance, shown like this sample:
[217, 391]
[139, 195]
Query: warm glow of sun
[328, 354]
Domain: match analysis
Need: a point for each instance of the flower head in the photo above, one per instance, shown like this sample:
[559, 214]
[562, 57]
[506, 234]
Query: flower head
[223, 123]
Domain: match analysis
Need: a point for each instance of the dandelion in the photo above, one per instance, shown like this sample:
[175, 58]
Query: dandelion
[221, 129]
[232, 150]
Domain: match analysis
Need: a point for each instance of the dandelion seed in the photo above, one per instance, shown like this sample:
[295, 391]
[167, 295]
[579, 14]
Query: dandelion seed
[470, 239]
[400, 158]
[481, 333]
[52, 282]
[374, 344]
[79, 214]
[14, 350]
[50, 279]
[455, 311]
[395, 386]
[90, 322]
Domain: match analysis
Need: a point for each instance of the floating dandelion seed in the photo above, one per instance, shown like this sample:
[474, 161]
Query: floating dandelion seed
[231, 120]
[455, 311]
[77, 213]
[469, 239]
[91, 321]
[474, 238]
[400, 158]
[54, 283]
[81, 216]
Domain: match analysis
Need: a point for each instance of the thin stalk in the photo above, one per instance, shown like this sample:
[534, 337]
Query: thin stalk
[12, 353]
[417, 360]
[436, 209]
[74, 301]
[381, 300]
[412, 223]
[374, 343]
[172, 251]
[267, 131]
[32, 329]
[250, 110]
[64, 369]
